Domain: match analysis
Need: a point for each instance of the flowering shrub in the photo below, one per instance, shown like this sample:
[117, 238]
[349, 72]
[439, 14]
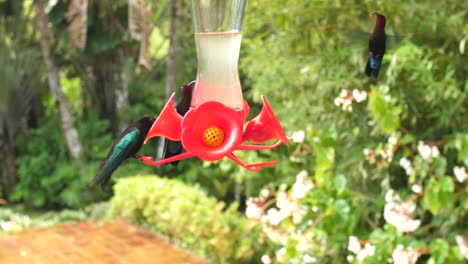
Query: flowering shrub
[16, 218]
[12, 221]
[310, 223]
[386, 159]
[190, 218]
[346, 99]
[417, 213]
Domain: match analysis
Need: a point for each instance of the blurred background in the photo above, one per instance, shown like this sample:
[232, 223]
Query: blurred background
[366, 152]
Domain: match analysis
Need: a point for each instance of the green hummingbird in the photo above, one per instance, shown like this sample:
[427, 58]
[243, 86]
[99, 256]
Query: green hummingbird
[124, 147]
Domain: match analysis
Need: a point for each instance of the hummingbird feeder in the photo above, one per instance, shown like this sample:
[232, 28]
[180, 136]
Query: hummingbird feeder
[213, 128]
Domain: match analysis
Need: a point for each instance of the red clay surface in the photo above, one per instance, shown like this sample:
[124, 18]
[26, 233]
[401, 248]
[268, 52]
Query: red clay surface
[112, 242]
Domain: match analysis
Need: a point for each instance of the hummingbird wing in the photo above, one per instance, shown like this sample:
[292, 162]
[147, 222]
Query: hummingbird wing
[125, 147]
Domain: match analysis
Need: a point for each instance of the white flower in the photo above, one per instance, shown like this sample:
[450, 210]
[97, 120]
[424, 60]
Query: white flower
[275, 217]
[460, 173]
[6, 226]
[367, 251]
[298, 215]
[302, 185]
[359, 96]
[298, 136]
[264, 193]
[276, 235]
[347, 105]
[424, 150]
[416, 188]
[398, 215]
[281, 255]
[350, 258]
[343, 93]
[406, 164]
[286, 204]
[309, 259]
[344, 101]
[22, 220]
[266, 259]
[302, 176]
[253, 210]
[300, 189]
[390, 196]
[366, 151]
[402, 256]
[462, 243]
[338, 101]
[392, 141]
[386, 153]
[427, 152]
[282, 201]
[434, 152]
[354, 245]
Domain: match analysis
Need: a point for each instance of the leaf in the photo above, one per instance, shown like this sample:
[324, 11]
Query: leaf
[446, 195]
[440, 165]
[325, 161]
[407, 138]
[439, 193]
[431, 200]
[439, 250]
[446, 184]
[384, 111]
[38, 199]
[291, 248]
[340, 183]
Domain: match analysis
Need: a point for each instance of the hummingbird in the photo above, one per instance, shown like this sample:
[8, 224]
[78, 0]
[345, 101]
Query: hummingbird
[377, 46]
[124, 147]
[172, 148]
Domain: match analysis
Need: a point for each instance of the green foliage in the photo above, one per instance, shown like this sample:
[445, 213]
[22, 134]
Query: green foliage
[47, 178]
[408, 136]
[384, 110]
[189, 217]
[439, 193]
[410, 133]
[16, 218]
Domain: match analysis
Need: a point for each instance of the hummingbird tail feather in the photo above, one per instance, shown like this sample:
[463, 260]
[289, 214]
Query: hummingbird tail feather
[368, 68]
[104, 174]
[373, 66]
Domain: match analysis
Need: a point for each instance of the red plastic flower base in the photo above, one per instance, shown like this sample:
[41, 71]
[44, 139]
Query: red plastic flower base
[212, 131]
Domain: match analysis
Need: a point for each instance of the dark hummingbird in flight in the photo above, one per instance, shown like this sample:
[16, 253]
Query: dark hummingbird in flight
[172, 148]
[377, 46]
[125, 146]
